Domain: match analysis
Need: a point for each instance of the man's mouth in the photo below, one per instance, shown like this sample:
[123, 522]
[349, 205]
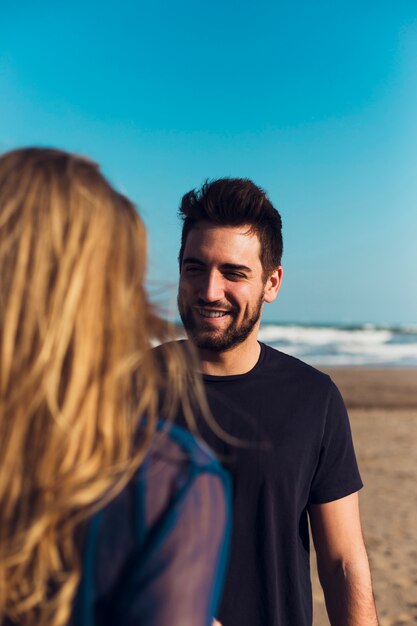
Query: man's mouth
[211, 314]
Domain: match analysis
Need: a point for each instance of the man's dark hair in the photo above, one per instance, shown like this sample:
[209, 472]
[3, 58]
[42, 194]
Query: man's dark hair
[234, 202]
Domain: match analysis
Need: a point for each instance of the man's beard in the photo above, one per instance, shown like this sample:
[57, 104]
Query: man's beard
[218, 340]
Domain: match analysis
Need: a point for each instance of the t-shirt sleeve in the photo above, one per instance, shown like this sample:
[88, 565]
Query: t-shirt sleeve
[337, 474]
[175, 577]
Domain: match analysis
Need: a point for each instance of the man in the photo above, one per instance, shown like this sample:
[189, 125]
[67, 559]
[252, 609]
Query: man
[285, 433]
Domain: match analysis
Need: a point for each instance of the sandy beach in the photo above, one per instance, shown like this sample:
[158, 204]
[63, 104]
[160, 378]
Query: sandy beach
[383, 412]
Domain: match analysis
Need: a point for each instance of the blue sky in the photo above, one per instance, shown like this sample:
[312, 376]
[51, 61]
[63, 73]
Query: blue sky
[316, 102]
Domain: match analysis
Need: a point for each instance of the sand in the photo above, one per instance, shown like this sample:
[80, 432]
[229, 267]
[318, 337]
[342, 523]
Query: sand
[383, 412]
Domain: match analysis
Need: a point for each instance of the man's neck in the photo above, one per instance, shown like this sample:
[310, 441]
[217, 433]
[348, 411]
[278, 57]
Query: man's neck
[238, 360]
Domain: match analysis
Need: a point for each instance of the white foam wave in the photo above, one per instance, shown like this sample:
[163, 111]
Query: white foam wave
[323, 335]
[329, 345]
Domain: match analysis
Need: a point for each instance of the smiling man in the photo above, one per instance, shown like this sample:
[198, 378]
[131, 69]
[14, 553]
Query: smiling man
[222, 291]
[293, 457]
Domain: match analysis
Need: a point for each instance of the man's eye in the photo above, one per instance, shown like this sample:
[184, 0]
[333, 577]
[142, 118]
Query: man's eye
[192, 270]
[234, 275]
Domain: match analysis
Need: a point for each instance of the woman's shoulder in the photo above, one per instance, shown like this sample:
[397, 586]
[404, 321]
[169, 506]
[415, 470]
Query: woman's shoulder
[177, 463]
[178, 469]
[177, 444]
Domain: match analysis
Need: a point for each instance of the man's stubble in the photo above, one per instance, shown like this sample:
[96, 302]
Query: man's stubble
[219, 341]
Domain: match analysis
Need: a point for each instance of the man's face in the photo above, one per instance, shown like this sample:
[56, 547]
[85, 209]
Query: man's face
[221, 290]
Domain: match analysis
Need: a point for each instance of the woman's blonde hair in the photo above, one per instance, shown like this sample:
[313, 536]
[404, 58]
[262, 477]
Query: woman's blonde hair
[76, 369]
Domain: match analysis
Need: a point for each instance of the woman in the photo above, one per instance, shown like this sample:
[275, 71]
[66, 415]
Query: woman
[103, 520]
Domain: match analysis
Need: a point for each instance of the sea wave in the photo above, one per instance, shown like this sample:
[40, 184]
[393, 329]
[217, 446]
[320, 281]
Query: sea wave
[367, 344]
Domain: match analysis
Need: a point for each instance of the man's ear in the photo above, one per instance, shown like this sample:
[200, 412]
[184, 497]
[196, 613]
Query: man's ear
[273, 284]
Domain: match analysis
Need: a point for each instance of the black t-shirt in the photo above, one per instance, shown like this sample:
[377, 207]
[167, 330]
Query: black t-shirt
[296, 449]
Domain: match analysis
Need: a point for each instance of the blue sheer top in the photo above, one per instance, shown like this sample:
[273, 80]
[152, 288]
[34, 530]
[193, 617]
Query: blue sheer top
[156, 555]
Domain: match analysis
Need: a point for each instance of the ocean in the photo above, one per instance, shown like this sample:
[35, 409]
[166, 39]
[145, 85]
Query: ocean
[337, 345]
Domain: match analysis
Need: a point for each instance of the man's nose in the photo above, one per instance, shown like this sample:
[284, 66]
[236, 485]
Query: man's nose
[211, 287]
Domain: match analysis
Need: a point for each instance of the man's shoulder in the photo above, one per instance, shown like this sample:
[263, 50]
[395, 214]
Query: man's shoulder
[176, 349]
[292, 366]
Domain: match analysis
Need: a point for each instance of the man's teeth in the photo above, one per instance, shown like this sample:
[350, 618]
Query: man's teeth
[212, 313]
